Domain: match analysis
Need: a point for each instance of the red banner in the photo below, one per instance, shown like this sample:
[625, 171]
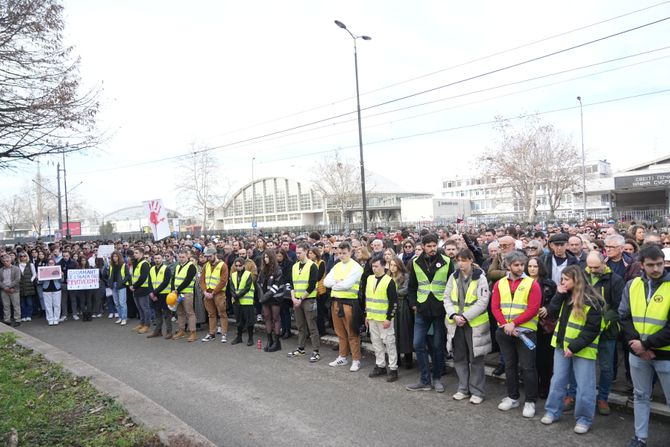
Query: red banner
[75, 228]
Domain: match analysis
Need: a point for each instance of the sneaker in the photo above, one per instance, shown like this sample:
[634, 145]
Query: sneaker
[377, 371]
[580, 429]
[51, 323]
[529, 409]
[218, 329]
[392, 375]
[355, 365]
[499, 370]
[315, 357]
[419, 387]
[224, 339]
[63, 318]
[56, 323]
[636, 442]
[124, 322]
[547, 419]
[460, 396]
[568, 403]
[297, 353]
[75, 317]
[603, 408]
[98, 316]
[174, 319]
[208, 337]
[339, 361]
[507, 404]
[476, 399]
[110, 316]
[23, 320]
[439, 386]
[29, 319]
[116, 315]
[259, 318]
[118, 321]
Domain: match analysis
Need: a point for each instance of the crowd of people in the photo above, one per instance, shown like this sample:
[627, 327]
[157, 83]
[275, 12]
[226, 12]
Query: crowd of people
[560, 303]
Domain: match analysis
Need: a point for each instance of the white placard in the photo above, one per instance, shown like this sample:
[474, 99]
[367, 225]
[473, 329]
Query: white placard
[105, 251]
[49, 272]
[83, 279]
[158, 222]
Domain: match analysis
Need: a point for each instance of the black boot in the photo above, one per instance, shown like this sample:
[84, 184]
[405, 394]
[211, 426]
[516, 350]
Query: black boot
[250, 331]
[237, 339]
[269, 343]
[276, 346]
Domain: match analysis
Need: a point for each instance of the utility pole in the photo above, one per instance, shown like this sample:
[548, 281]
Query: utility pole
[60, 209]
[67, 215]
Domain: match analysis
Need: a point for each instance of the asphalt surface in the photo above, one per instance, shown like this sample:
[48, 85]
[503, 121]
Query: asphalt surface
[240, 396]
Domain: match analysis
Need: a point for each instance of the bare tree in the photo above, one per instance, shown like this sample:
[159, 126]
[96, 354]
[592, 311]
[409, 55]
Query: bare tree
[41, 108]
[535, 158]
[200, 187]
[339, 181]
[41, 203]
[12, 212]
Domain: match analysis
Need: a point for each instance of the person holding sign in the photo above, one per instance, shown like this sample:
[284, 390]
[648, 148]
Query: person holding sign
[51, 290]
[140, 287]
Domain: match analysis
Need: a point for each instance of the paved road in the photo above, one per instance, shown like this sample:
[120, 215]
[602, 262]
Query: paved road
[239, 396]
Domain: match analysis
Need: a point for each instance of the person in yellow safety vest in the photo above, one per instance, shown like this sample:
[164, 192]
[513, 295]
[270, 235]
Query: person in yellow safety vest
[242, 292]
[466, 300]
[343, 280]
[381, 300]
[579, 309]
[304, 276]
[183, 283]
[428, 275]
[213, 282]
[515, 301]
[645, 321]
[140, 286]
[160, 286]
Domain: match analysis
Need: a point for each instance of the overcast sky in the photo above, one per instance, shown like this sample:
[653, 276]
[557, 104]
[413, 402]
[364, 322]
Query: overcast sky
[214, 73]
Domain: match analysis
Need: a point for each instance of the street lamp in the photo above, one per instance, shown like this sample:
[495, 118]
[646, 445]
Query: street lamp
[253, 196]
[360, 130]
[581, 115]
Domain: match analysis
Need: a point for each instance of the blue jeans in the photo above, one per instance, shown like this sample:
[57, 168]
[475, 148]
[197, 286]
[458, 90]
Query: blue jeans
[111, 308]
[606, 350]
[421, 326]
[27, 306]
[642, 373]
[585, 373]
[119, 296]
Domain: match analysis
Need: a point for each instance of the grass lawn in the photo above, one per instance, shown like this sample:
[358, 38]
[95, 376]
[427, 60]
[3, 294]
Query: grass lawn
[50, 407]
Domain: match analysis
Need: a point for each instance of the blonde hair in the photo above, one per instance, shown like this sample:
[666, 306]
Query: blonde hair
[582, 292]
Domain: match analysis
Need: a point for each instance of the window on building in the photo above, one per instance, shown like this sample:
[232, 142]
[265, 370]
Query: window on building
[305, 202]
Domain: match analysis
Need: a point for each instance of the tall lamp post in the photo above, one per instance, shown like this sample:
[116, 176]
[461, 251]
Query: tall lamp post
[253, 196]
[581, 115]
[360, 130]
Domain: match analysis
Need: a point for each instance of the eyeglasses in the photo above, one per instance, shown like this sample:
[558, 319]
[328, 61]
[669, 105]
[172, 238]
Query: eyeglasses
[666, 243]
[408, 246]
[612, 247]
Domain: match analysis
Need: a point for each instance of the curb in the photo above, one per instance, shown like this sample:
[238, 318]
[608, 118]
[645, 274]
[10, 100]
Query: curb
[615, 399]
[170, 429]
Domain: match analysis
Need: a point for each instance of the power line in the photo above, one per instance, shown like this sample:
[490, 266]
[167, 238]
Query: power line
[467, 126]
[479, 59]
[481, 75]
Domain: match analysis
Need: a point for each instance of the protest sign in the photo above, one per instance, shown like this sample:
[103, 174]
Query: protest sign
[158, 221]
[105, 251]
[49, 272]
[82, 279]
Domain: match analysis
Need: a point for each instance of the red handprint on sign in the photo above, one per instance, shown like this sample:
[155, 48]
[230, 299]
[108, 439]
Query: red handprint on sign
[154, 213]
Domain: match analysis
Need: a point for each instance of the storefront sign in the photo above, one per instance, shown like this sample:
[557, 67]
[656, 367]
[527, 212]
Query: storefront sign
[642, 181]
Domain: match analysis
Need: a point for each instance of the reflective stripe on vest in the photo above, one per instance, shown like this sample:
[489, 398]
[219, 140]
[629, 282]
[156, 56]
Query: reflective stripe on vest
[301, 279]
[213, 278]
[248, 298]
[123, 273]
[136, 274]
[180, 276]
[376, 297]
[470, 300]
[513, 305]
[649, 318]
[341, 271]
[436, 286]
[573, 329]
[157, 277]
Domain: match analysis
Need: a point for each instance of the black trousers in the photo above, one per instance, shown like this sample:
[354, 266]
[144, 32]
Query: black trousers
[544, 361]
[516, 353]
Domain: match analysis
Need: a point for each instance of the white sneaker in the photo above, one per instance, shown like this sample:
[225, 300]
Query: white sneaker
[529, 409]
[355, 365]
[110, 316]
[339, 361]
[580, 429]
[174, 319]
[117, 321]
[98, 316]
[116, 315]
[56, 323]
[218, 329]
[29, 319]
[224, 338]
[75, 317]
[123, 322]
[476, 399]
[63, 318]
[547, 420]
[51, 323]
[507, 404]
[23, 320]
[460, 396]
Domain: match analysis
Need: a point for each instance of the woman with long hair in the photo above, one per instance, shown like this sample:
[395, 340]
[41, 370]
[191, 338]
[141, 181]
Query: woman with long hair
[285, 313]
[404, 317]
[86, 296]
[578, 308]
[544, 353]
[269, 280]
[117, 279]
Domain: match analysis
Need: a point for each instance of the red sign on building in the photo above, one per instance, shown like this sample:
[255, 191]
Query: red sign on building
[75, 228]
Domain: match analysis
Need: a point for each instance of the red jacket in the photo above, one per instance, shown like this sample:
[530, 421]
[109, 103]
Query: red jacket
[534, 302]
